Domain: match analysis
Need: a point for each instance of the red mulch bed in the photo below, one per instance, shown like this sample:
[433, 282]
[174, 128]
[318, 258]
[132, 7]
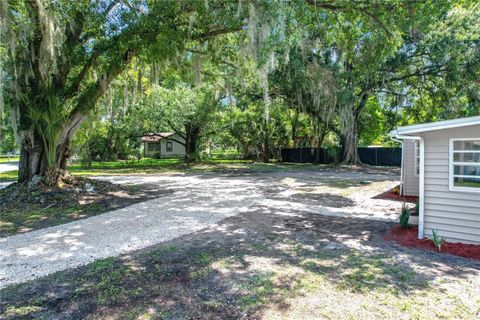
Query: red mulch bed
[409, 238]
[390, 195]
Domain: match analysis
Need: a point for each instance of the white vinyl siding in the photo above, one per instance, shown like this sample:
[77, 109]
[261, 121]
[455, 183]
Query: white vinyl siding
[165, 148]
[410, 179]
[454, 214]
[169, 146]
[172, 148]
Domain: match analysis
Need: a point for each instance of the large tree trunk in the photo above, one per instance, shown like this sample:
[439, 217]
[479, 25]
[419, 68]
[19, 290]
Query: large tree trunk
[192, 134]
[63, 154]
[349, 146]
[33, 160]
[32, 157]
[294, 128]
[350, 133]
[320, 136]
[190, 149]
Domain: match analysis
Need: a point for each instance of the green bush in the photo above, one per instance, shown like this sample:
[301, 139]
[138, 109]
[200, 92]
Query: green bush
[404, 216]
[396, 190]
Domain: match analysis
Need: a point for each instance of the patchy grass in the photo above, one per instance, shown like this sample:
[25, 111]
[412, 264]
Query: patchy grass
[243, 269]
[8, 175]
[4, 159]
[24, 210]
[144, 163]
[156, 166]
[149, 166]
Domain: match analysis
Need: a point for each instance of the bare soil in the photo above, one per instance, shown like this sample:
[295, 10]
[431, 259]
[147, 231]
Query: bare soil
[279, 259]
[260, 265]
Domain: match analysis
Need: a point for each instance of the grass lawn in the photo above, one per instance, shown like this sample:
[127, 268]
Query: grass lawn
[8, 175]
[152, 166]
[6, 159]
[245, 268]
[148, 165]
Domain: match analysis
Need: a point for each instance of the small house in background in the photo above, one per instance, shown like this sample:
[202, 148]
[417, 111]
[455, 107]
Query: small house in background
[441, 165]
[163, 145]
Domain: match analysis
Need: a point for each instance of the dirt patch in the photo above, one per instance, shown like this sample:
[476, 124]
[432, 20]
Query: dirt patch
[259, 265]
[409, 237]
[269, 261]
[23, 209]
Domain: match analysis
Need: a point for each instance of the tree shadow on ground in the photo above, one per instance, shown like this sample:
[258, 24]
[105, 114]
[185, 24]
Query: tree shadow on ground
[238, 268]
[332, 177]
[324, 199]
[28, 209]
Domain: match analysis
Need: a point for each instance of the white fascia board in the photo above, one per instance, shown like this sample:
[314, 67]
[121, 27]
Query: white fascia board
[432, 126]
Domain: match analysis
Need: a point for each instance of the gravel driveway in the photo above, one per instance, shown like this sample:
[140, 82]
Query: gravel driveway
[197, 201]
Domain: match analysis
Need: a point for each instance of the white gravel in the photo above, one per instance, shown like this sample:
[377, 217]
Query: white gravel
[5, 184]
[8, 166]
[198, 201]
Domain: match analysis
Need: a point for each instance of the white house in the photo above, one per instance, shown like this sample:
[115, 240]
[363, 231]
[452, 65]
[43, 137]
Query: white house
[163, 145]
[441, 164]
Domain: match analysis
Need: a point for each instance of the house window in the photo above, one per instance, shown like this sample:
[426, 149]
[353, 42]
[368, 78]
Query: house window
[153, 146]
[465, 164]
[169, 146]
[417, 158]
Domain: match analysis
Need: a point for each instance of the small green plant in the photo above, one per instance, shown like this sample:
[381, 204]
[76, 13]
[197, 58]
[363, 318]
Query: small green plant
[404, 216]
[396, 190]
[437, 240]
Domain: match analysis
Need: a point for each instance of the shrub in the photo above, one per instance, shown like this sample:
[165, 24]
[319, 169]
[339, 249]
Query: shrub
[396, 190]
[404, 216]
[437, 240]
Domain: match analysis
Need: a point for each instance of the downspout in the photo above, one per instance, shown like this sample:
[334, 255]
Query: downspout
[421, 198]
[401, 166]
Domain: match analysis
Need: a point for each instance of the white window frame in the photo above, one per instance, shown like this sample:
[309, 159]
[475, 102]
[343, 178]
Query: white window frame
[416, 158]
[451, 164]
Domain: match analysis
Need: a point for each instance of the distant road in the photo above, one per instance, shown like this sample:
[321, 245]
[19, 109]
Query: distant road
[8, 166]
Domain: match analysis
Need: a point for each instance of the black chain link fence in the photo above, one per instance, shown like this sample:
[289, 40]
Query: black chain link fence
[370, 156]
